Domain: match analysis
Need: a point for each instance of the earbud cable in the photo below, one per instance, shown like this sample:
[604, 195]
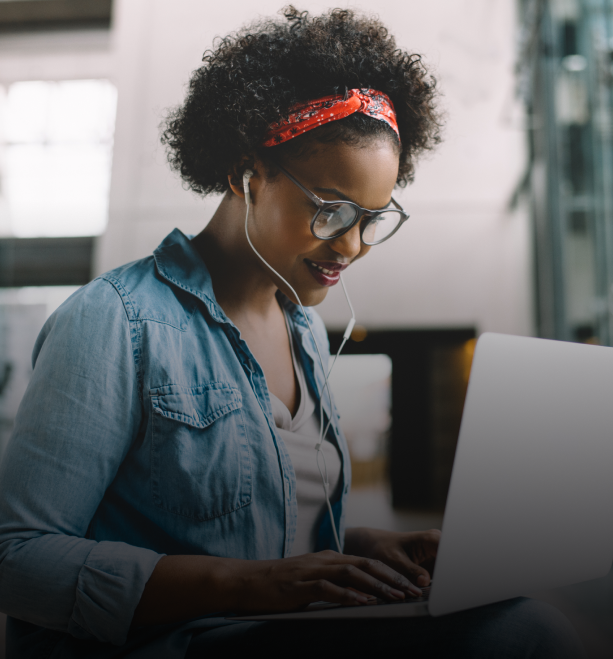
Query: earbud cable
[322, 433]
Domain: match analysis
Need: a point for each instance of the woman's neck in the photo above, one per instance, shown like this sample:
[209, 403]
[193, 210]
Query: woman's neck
[246, 293]
[242, 288]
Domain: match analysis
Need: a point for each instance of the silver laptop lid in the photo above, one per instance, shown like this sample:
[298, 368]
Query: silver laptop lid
[530, 505]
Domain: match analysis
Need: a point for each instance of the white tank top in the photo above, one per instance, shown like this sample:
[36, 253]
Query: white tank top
[300, 434]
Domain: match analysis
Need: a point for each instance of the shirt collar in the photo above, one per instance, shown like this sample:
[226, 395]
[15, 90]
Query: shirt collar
[178, 262]
[293, 310]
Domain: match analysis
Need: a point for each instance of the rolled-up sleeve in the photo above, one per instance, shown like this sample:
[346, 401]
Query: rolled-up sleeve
[77, 421]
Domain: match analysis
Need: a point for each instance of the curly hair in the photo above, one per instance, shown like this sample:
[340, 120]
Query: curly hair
[255, 76]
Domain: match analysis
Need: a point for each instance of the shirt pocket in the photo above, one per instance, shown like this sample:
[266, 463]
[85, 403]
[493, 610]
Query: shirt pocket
[200, 457]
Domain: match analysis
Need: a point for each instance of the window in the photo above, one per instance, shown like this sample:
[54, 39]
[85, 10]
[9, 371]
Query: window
[566, 78]
[56, 144]
[400, 395]
[361, 385]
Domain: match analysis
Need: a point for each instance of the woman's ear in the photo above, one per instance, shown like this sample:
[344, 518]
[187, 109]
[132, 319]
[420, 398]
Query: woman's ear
[235, 177]
[235, 185]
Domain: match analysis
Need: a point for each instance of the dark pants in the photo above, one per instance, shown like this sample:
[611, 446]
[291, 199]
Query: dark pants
[518, 628]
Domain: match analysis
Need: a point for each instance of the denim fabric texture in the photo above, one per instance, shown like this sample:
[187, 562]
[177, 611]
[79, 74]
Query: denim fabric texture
[146, 430]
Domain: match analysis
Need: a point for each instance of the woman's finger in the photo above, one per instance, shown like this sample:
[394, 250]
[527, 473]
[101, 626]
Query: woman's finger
[388, 574]
[421, 545]
[371, 598]
[378, 582]
[322, 590]
[417, 574]
[375, 568]
[365, 574]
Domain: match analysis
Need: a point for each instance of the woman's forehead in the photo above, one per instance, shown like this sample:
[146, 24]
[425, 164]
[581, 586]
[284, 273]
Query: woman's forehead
[365, 175]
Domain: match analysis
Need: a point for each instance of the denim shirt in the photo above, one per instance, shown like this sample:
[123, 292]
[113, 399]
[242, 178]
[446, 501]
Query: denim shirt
[146, 430]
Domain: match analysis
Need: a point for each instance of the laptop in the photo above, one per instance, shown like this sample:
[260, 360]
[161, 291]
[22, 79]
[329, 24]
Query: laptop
[531, 494]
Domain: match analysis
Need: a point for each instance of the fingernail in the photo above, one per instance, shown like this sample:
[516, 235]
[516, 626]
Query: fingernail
[422, 580]
[397, 594]
[361, 599]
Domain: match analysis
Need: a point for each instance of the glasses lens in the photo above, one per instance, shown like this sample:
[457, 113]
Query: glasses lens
[333, 220]
[380, 227]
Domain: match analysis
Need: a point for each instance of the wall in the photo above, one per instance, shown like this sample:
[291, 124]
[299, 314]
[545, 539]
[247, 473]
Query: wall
[61, 55]
[461, 260]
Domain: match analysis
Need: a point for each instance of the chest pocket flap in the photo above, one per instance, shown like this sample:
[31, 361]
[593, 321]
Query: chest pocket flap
[198, 407]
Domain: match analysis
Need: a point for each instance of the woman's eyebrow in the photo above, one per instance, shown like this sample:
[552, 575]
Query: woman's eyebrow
[346, 198]
[336, 192]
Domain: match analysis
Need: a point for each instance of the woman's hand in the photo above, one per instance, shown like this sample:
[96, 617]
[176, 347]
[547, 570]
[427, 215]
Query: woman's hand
[410, 554]
[292, 583]
[185, 587]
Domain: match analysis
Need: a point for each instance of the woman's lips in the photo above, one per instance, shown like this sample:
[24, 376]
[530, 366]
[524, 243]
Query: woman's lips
[326, 273]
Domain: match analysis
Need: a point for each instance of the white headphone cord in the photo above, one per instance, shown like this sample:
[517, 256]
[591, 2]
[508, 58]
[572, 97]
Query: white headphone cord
[326, 386]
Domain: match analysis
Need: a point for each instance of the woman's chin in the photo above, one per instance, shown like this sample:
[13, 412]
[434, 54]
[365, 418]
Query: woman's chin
[316, 297]
[310, 297]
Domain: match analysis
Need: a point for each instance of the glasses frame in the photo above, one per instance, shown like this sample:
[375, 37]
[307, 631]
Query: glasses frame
[322, 205]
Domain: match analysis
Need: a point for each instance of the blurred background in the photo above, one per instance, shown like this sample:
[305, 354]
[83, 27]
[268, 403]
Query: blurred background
[511, 225]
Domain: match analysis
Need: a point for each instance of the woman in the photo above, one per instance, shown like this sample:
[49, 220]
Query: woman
[162, 472]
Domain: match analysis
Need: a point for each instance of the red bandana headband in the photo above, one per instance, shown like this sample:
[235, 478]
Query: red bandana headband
[306, 116]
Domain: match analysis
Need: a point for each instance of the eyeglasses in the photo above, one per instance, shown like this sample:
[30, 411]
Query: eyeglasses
[334, 218]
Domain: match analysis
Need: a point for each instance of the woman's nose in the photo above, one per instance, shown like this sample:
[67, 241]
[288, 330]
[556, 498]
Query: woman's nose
[349, 244]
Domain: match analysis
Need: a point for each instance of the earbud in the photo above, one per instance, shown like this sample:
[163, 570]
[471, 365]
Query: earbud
[246, 176]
